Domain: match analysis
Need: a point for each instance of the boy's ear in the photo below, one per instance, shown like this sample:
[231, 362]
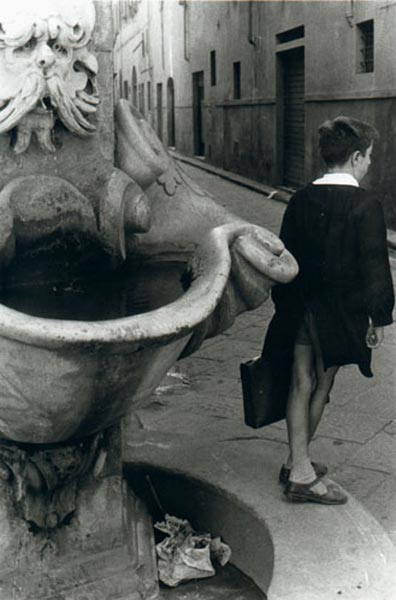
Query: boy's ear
[355, 156]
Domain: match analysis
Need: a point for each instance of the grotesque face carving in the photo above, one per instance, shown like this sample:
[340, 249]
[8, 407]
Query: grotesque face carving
[45, 64]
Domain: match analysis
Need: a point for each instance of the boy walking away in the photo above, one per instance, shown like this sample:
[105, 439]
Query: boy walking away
[332, 314]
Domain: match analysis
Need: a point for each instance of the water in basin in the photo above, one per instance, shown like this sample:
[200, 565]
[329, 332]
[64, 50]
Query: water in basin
[228, 584]
[73, 278]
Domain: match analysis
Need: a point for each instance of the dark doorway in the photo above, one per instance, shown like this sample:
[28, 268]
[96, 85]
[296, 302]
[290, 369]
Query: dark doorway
[237, 80]
[291, 118]
[159, 110]
[171, 113]
[198, 97]
[134, 87]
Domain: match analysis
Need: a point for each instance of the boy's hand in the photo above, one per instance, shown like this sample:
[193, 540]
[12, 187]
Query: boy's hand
[374, 336]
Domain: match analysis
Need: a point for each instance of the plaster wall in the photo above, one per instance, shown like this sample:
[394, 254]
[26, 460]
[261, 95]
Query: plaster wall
[152, 42]
[243, 134]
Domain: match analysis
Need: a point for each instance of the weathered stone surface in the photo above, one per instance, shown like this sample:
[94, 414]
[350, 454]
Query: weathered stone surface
[105, 551]
[70, 392]
[104, 149]
[378, 399]
[103, 33]
[354, 428]
[379, 453]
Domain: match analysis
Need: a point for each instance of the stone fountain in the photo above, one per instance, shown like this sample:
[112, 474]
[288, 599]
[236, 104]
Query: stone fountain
[85, 196]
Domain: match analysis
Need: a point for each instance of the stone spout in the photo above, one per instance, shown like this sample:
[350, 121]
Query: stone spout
[184, 216]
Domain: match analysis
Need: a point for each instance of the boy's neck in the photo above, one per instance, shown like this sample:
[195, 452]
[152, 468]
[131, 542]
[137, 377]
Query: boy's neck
[342, 169]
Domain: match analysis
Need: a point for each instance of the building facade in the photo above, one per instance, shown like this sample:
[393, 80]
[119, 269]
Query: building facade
[245, 84]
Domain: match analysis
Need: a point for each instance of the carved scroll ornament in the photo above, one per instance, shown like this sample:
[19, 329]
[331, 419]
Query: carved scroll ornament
[45, 481]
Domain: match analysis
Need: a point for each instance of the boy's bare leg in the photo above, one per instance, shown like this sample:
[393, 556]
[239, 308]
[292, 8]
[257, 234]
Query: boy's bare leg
[297, 417]
[325, 381]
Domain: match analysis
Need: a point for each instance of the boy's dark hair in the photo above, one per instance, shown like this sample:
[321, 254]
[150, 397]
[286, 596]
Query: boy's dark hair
[338, 139]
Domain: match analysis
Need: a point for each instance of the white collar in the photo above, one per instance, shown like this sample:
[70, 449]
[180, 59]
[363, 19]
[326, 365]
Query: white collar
[336, 179]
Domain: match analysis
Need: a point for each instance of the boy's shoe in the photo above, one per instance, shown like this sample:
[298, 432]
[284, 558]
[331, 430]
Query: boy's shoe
[284, 474]
[303, 492]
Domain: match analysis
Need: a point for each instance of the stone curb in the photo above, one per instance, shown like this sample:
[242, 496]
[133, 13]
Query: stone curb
[291, 551]
[279, 194]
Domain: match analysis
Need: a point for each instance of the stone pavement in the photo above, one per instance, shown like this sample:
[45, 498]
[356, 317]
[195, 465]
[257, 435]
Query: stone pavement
[357, 436]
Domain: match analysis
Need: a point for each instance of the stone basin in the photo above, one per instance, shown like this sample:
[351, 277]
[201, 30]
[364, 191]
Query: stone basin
[64, 379]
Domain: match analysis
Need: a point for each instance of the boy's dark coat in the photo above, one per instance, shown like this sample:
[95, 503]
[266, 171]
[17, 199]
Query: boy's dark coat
[338, 236]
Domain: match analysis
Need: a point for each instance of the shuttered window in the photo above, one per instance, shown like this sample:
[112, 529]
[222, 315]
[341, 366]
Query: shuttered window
[294, 118]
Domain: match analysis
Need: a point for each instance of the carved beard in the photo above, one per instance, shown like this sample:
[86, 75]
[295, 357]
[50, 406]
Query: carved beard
[70, 109]
[25, 101]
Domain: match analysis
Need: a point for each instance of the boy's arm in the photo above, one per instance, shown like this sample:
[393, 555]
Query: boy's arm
[374, 263]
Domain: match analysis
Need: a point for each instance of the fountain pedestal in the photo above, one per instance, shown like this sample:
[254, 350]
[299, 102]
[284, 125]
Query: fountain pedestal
[103, 550]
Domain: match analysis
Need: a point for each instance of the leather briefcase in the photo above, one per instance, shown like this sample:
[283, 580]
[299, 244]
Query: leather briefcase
[265, 390]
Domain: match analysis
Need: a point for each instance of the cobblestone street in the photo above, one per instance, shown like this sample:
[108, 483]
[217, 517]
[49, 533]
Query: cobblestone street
[357, 437]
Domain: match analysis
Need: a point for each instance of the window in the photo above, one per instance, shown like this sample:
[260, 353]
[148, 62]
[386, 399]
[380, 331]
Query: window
[290, 35]
[149, 95]
[365, 46]
[213, 67]
[237, 80]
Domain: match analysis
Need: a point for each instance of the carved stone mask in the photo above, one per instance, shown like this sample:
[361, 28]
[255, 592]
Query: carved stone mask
[45, 63]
